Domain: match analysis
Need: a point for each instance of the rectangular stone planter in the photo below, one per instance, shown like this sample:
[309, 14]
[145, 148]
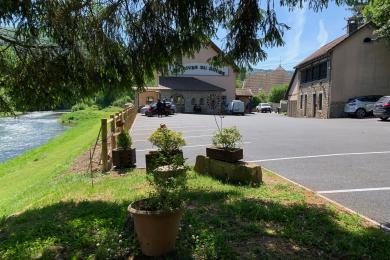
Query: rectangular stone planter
[239, 172]
[123, 158]
[151, 159]
[225, 155]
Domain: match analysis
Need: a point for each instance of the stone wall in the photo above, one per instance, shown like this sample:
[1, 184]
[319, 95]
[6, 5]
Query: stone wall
[316, 88]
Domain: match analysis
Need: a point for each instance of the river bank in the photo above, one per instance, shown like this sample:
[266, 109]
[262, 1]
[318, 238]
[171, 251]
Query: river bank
[27, 131]
[32, 174]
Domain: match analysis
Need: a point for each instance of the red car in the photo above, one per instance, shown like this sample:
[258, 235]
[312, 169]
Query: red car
[153, 110]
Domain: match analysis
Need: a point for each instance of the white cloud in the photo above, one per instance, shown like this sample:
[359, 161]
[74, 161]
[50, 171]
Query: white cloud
[322, 36]
[297, 28]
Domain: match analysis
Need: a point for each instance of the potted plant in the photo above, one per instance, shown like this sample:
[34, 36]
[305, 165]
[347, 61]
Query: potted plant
[168, 143]
[157, 218]
[124, 156]
[226, 145]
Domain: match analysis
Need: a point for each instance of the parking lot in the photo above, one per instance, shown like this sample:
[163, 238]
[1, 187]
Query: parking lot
[345, 160]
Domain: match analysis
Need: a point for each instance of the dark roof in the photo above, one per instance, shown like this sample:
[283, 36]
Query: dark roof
[187, 84]
[324, 50]
[244, 92]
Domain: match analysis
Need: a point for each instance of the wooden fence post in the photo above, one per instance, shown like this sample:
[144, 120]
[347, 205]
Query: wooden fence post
[112, 125]
[104, 145]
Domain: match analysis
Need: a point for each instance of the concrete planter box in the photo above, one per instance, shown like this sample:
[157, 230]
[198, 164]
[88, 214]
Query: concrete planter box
[123, 158]
[239, 172]
[152, 162]
[225, 155]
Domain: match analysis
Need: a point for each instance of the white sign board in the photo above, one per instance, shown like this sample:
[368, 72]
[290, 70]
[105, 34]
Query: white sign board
[203, 69]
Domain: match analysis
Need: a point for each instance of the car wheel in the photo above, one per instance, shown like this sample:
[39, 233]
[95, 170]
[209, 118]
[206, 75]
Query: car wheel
[384, 118]
[360, 113]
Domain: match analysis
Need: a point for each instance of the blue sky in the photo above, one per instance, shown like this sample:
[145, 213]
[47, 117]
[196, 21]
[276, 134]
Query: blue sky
[309, 30]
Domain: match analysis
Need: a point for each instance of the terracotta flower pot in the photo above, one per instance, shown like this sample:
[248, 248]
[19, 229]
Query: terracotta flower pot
[225, 155]
[123, 158]
[156, 230]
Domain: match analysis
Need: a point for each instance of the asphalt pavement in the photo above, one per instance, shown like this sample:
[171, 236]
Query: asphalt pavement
[346, 160]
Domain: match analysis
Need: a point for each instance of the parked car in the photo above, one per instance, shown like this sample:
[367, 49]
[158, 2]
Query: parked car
[170, 109]
[264, 108]
[382, 108]
[236, 107]
[144, 109]
[170, 105]
[361, 106]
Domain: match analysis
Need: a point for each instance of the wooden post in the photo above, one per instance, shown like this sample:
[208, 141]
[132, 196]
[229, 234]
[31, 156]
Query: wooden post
[128, 122]
[112, 125]
[104, 145]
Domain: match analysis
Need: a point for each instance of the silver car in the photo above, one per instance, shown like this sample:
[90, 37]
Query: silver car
[361, 106]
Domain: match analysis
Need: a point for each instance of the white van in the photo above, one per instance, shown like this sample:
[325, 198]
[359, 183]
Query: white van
[236, 107]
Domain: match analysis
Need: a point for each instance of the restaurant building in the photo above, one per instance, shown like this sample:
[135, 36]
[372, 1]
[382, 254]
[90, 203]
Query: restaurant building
[197, 83]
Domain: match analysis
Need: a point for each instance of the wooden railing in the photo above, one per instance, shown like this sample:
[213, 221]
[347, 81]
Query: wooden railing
[110, 129]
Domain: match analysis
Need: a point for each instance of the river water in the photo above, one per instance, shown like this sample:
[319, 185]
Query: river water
[25, 132]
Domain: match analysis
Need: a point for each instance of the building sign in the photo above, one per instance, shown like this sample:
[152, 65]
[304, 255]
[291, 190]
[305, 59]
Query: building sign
[203, 69]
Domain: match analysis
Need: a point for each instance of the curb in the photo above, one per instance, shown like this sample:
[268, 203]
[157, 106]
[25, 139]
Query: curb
[379, 225]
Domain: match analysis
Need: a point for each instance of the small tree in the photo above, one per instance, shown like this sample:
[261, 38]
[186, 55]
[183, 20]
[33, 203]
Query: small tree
[260, 98]
[277, 93]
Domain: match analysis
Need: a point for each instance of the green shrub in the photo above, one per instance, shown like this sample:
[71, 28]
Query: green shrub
[227, 138]
[167, 141]
[79, 106]
[124, 140]
[277, 93]
[120, 102]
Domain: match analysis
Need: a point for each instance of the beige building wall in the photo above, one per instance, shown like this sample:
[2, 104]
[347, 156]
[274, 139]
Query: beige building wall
[293, 96]
[359, 68]
[226, 82]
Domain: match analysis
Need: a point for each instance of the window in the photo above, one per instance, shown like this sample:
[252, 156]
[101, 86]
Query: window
[323, 70]
[193, 101]
[301, 104]
[223, 101]
[201, 101]
[315, 72]
[149, 100]
[320, 101]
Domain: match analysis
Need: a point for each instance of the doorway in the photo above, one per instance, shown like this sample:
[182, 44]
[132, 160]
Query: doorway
[305, 108]
[314, 105]
[178, 100]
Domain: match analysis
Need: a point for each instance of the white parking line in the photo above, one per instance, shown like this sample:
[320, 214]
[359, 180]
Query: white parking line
[318, 156]
[185, 137]
[184, 131]
[353, 190]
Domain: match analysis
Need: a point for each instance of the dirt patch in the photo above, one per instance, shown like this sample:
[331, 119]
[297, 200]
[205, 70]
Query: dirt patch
[269, 246]
[82, 163]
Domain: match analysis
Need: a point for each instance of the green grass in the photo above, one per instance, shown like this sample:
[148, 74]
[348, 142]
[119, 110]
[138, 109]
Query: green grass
[2, 114]
[51, 213]
[30, 177]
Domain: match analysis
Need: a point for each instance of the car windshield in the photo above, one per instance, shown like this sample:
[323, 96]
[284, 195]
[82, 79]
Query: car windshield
[384, 99]
[264, 104]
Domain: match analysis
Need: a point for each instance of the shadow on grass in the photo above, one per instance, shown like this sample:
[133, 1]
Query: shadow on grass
[216, 225]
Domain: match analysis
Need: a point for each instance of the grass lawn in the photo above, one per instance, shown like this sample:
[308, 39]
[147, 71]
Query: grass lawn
[51, 213]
